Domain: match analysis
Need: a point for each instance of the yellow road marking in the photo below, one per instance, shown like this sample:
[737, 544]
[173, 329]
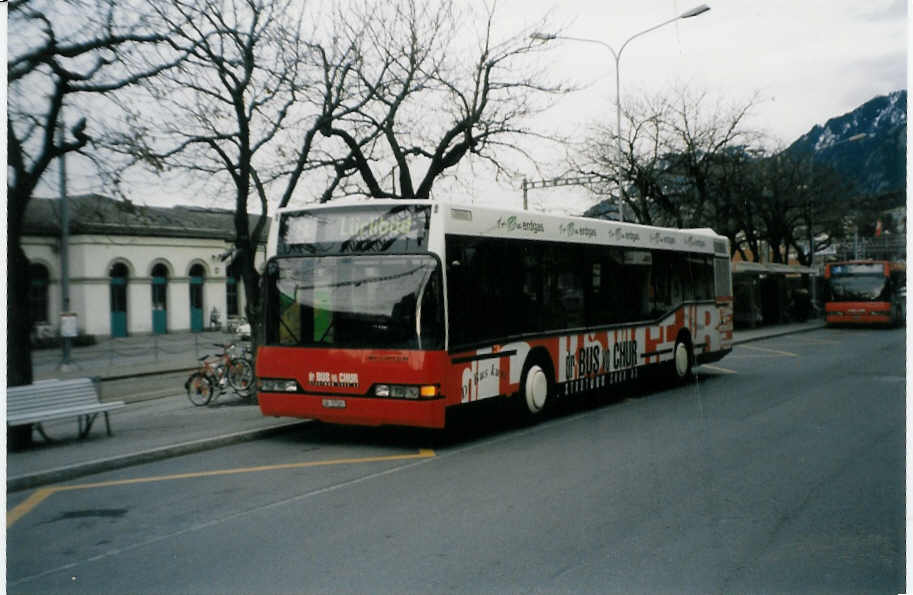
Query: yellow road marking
[27, 505]
[42, 494]
[769, 350]
[719, 369]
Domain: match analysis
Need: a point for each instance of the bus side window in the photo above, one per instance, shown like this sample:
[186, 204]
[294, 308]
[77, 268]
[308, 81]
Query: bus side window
[702, 273]
[432, 323]
[475, 266]
[564, 287]
[529, 297]
[636, 284]
[601, 285]
[613, 286]
[457, 271]
[662, 280]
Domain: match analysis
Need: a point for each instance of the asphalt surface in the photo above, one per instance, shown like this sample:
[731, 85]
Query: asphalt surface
[780, 470]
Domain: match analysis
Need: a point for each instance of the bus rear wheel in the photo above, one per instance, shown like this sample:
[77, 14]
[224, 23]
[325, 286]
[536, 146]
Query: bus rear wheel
[682, 360]
[536, 387]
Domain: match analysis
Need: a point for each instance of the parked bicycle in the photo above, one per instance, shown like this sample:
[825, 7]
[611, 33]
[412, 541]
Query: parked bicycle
[230, 369]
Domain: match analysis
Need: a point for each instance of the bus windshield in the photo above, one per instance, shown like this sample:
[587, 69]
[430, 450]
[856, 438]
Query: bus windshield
[857, 288]
[361, 302]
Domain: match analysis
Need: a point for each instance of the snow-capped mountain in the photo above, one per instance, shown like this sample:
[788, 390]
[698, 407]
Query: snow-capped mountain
[867, 145]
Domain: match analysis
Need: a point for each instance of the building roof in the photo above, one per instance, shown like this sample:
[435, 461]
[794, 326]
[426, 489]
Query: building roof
[97, 214]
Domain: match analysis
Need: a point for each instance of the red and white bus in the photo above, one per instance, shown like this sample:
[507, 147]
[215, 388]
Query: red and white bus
[865, 292]
[393, 311]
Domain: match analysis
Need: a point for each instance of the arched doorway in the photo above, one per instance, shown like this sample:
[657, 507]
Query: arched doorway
[160, 299]
[119, 274]
[197, 277]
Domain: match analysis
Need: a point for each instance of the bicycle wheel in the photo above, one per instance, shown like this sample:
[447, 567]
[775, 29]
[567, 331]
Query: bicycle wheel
[199, 389]
[241, 377]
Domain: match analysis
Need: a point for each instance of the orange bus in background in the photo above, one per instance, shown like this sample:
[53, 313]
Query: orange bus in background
[392, 312]
[866, 292]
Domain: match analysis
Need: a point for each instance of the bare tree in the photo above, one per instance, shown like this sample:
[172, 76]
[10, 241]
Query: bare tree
[736, 185]
[639, 170]
[432, 98]
[799, 205]
[243, 110]
[673, 146]
[63, 52]
[703, 137]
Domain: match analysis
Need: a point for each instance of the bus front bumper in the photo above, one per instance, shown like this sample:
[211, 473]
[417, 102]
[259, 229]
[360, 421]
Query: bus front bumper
[351, 410]
[858, 313]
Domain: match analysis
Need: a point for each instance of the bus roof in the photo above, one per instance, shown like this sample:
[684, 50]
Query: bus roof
[488, 221]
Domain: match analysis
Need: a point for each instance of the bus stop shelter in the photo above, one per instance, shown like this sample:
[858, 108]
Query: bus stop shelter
[772, 293]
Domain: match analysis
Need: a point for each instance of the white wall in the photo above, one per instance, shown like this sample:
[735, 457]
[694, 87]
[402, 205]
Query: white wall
[91, 258]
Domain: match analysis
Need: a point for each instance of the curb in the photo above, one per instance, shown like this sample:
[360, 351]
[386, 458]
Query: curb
[52, 476]
[780, 333]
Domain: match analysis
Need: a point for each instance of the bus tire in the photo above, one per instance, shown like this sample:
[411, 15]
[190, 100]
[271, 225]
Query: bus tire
[682, 359]
[898, 318]
[536, 386]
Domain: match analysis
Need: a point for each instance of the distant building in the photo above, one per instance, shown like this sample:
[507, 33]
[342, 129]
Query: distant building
[133, 269]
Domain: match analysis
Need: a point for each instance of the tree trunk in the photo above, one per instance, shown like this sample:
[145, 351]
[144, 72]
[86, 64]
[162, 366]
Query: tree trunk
[18, 320]
[18, 331]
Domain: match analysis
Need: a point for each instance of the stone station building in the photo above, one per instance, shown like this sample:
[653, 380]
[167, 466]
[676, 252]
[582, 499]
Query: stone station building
[133, 269]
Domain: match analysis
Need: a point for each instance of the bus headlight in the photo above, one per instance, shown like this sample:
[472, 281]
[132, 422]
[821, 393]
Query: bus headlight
[279, 385]
[404, 391]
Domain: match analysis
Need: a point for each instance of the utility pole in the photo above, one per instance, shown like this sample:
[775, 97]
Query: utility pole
[696, 11]
[64, 250]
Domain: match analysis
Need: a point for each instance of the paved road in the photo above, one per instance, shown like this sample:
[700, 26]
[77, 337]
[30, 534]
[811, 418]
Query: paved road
[780, 470]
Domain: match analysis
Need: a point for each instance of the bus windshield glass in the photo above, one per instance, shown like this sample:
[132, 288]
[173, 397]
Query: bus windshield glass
[857, 288]
[359, 302]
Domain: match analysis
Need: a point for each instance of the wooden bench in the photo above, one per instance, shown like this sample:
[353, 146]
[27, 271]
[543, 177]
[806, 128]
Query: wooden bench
[48, 400]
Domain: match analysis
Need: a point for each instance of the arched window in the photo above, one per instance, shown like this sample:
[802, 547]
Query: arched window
[38, 293]
[160, 299]
[119, 274]
[197, 278]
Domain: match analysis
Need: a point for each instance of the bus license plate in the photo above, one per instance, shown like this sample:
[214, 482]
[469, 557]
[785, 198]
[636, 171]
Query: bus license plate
[334, 403]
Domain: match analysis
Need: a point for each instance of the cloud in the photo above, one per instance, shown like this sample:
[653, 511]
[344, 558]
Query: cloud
[886, 10]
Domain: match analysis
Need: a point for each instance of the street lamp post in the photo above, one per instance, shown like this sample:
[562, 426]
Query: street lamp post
[697, 10]
[65, 364]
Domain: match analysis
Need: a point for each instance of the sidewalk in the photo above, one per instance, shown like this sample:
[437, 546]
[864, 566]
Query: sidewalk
[169, 426]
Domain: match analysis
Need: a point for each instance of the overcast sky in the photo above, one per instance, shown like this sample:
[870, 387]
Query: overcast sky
[805, 60]
[809, 60]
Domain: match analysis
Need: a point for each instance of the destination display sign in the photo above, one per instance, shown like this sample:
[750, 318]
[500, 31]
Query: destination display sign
[360, 228]
[861, 268]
